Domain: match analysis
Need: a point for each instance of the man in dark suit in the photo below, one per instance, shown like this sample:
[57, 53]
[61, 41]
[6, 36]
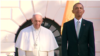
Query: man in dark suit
[78, 35]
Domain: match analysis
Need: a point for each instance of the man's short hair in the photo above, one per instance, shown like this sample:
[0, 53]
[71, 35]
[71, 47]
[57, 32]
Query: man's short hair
[78, 3]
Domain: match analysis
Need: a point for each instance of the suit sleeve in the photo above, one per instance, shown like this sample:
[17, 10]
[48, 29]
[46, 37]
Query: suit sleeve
[91, 41]
[64, 41]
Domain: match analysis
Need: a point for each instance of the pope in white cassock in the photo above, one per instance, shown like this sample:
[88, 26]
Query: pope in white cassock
[36, 40]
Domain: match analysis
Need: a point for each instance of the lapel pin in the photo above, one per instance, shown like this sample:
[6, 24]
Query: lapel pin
[83, 24]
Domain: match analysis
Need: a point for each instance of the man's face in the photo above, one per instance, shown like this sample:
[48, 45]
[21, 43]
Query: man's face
[37, 21]
[78, 10]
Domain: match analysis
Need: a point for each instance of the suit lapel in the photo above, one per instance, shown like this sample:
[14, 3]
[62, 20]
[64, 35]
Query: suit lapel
[73, 29]
[82, 28]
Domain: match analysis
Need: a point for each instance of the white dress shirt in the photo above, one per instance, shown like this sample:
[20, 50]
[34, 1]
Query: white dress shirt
[75, 22]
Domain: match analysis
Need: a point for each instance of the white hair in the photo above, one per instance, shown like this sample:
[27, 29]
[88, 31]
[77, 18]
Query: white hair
[37, 13]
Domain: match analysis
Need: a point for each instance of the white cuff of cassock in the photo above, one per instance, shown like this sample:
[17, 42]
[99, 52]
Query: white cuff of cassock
[21, 52]
[51, 53]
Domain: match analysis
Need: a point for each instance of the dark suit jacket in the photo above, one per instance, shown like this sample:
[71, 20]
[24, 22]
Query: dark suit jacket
[82, 46]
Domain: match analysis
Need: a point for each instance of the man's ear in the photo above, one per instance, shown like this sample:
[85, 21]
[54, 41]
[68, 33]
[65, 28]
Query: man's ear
[42, 21]
[31, 20]
[72, 11]
[84, 11]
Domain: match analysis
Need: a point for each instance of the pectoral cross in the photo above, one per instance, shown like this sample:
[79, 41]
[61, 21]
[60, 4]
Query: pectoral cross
[35, 46]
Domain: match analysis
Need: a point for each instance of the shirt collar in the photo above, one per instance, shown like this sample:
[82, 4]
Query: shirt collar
[77, 20]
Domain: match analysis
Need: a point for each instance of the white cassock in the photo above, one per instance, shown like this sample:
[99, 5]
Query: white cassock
[43, 37]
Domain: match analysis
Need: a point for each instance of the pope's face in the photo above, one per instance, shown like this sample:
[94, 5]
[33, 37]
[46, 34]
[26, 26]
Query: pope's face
[37, 21]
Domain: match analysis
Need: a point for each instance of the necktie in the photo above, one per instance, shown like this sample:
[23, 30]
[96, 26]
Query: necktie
[78, 28]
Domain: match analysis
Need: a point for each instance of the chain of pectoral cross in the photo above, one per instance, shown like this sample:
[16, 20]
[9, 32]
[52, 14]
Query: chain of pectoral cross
[36, 37]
